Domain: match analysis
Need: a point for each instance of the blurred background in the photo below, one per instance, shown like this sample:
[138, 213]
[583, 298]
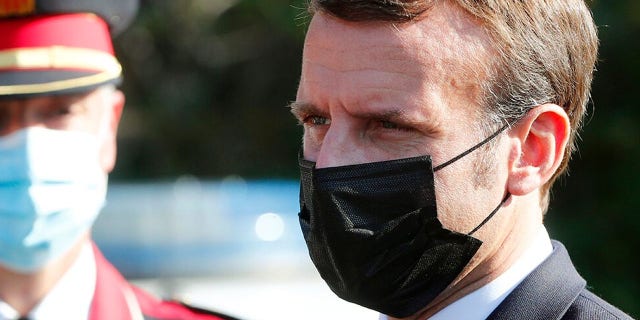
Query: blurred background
[203, 202]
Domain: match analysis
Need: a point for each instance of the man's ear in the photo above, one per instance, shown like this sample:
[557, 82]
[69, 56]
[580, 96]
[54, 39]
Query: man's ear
[108, 149]
[539, 142]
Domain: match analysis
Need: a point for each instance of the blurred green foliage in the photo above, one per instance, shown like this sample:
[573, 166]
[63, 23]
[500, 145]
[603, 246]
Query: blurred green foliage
[208, 82]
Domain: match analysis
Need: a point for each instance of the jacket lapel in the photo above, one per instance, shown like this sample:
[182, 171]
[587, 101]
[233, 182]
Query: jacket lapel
[546, 293]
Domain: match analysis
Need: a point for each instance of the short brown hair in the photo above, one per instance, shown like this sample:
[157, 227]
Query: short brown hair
[546, 53]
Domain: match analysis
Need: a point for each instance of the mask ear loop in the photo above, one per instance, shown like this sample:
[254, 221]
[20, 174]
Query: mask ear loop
[472, 149]
[506, 197]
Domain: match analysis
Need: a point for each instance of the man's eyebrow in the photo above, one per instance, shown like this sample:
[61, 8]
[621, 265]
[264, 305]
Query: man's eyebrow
[392, 114]
[69, 99]
[299, 109]
[399, 115]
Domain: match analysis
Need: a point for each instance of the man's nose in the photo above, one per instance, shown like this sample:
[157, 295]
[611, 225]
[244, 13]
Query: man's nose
[341, 146]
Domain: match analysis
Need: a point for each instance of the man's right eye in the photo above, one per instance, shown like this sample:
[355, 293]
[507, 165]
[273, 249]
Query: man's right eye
[317, 120]
[60, 111]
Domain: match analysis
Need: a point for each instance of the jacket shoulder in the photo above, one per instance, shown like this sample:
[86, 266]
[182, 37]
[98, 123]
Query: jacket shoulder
[589, 306]
[555, 290]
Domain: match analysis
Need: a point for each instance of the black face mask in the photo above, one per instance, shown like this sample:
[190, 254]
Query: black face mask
[373, 233]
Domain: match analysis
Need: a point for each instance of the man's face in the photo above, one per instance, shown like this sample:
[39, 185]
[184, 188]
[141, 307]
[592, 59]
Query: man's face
[96, 112]
[371, 92]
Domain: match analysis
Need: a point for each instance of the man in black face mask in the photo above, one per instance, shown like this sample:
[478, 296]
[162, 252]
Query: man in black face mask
[433, 131]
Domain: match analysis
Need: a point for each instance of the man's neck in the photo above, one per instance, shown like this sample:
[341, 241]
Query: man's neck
[23, 292]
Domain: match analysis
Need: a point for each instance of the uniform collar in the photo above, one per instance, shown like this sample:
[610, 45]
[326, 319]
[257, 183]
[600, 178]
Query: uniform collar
[113, 297]
[70, 298]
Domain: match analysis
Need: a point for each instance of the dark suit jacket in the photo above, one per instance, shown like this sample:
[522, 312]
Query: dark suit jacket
[555, 290]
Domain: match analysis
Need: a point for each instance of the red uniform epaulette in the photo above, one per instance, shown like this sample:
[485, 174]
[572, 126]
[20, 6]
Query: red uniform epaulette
[115, 298]
[161, 309]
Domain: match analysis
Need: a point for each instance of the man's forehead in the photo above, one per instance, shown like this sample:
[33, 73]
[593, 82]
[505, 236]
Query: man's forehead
[446, 33]
[446, 49]
[334, 38]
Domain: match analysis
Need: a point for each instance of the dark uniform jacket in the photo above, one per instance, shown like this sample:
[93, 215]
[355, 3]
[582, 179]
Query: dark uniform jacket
[555, 290]
[114, 298]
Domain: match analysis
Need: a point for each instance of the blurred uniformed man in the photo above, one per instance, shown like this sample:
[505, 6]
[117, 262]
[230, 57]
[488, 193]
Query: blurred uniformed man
[59, 111]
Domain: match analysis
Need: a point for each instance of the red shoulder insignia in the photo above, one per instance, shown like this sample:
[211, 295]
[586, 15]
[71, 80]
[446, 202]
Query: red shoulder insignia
[221, 316]
[154, 308]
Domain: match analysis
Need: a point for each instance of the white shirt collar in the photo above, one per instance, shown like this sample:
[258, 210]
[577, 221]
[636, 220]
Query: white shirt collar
[70, 298]
[486, 299]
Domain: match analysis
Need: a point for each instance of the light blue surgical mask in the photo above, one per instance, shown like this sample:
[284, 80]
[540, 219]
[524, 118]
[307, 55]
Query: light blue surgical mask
[51, 190]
